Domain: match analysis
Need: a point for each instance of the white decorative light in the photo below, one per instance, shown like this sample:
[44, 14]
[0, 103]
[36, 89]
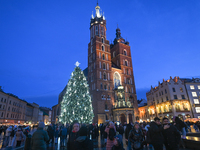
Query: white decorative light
[77, 64]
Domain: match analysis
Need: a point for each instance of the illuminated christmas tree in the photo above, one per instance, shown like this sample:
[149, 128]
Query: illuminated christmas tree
[76, 103]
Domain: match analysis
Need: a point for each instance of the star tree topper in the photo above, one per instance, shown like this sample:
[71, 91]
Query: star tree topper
[77, 64]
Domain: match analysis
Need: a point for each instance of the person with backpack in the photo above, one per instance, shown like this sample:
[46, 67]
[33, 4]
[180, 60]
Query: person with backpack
[83, 142]
[111, 132]
[136, 137]
[171, 136]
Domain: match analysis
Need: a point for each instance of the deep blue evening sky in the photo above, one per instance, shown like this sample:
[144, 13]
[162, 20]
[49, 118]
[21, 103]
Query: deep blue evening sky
[40, 41]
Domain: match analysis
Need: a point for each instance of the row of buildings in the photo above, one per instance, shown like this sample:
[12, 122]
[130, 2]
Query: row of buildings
[173, 97]
[14, 110]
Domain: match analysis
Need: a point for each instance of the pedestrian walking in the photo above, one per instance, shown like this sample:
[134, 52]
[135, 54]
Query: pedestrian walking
[136, 137]
[171, 136]
[7, 136]
[19, 137]
[111, 132]
[155, 132]
[51, 133]
[127, 131]
[71, 145]
[83, 142]
[39, 138]
[63, 136]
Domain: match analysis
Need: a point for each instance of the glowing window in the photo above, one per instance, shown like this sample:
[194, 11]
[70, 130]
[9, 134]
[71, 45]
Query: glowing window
[199, 87]
[194, 94]
[192, 87]
[197, 109]
[196, 101]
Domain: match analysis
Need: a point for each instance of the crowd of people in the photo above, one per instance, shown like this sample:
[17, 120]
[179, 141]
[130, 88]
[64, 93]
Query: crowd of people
[82, 137]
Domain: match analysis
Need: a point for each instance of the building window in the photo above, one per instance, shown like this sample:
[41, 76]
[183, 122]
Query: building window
[2, 114]
[10, 102]
[107, 66]
[100, 74]
[192, 87]
[196, 101]
[162, 92]
[126, 63]
[159, 94]
[132, 90]
[197, 109]
[106, 56]
[175, 97]
[1, 99]
[99, 64]
[173, 89]
[108, 97]
[199, 87]
[105, 87]
[127, 71]
[102, 40]
[162, 99]
[103, 48]
[8, 108]
[104, 66]
[106, 107]
[194, 94]
[167, 98]
[3, 106]
[103, 56]
[125, 53]
[113, 54]
[108, 76]
[165, 91]
[117, 79]
[124, 79]
[96, 30]
[4, 100]
[101, 86]
[100, 55]
[7, 115]
[183, 96]
[181, 90]
[104, 76]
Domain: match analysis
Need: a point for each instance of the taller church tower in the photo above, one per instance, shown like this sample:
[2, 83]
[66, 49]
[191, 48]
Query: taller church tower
[108, 76]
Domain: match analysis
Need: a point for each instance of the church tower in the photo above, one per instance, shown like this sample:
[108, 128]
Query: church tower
[110, 74]
[99, 68]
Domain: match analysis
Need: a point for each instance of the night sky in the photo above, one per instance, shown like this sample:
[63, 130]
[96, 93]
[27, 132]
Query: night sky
[40, 41]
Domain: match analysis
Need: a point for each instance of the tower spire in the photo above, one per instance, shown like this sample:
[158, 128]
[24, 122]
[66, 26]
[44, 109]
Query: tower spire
[98, 15]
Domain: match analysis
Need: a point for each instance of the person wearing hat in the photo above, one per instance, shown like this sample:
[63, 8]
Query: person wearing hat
[39, 138]
[156, 136]
[83, 142]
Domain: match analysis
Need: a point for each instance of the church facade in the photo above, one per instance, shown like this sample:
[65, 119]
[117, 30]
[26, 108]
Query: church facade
[110, 74]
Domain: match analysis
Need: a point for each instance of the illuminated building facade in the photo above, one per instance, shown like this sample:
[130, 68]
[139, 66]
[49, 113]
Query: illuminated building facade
[169, 99]
[110, 74]
[193, 91]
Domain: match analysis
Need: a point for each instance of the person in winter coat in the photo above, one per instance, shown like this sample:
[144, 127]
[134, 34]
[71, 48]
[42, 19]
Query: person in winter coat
[51, 133]
[20, 137]
[127, 131]
[118, 144]
[180, 125]
[136, 137]
[7, 136]
[83, 142]
[63, 135]
[39, 138]
[171, 136]
[156, 136]
[110, 142]
[56, 135]
[71, 145]
[121, 130]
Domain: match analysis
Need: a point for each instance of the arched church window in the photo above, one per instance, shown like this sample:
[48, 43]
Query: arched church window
[104, 66]
[125, 52]
[104, 76]
[105, 87]
[102, 40]
[102, 47]
[103, 56]
[126, 63]
[117, 79]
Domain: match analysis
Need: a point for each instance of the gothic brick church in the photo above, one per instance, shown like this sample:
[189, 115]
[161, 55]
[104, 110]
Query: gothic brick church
[110, 74]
